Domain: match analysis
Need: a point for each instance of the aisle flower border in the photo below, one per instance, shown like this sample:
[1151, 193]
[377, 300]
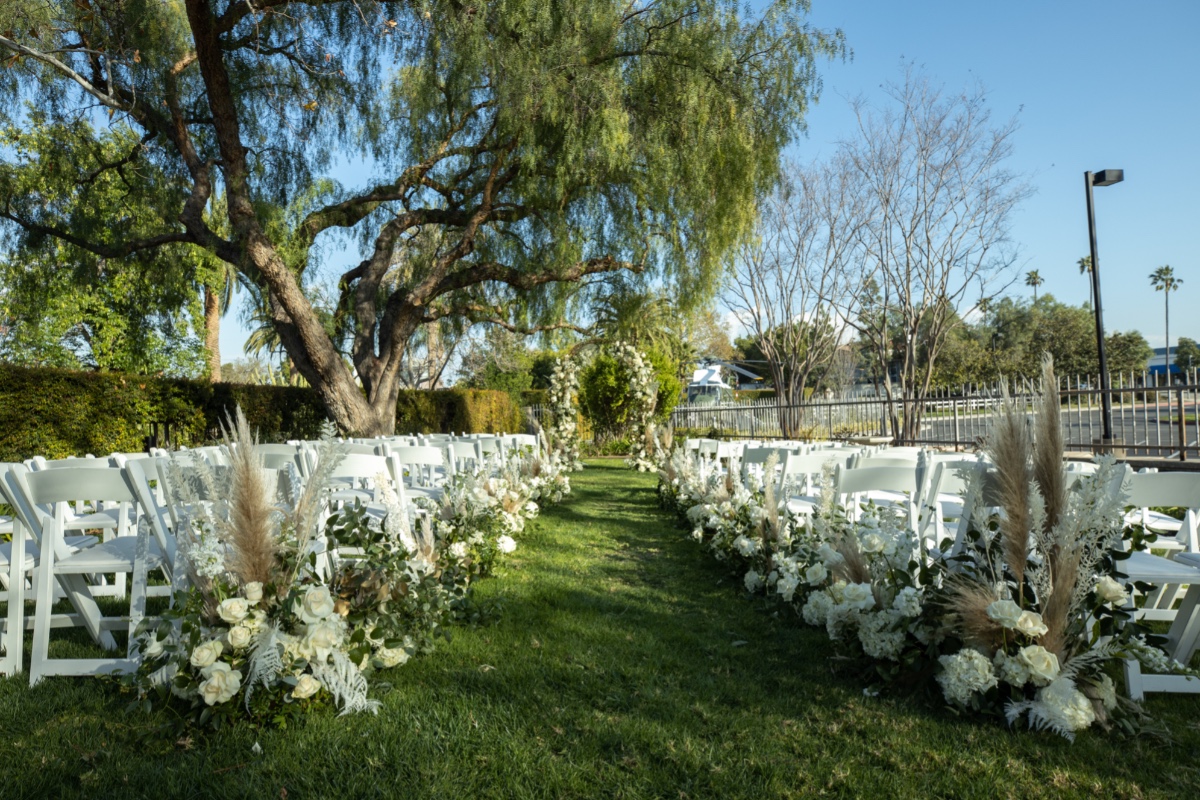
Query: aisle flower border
[264, 631]
[981, 624]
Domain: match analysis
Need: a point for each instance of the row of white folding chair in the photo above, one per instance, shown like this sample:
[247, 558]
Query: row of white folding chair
[59, 565]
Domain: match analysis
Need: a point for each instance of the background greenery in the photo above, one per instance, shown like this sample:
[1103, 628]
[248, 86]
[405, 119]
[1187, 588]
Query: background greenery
[58, 413]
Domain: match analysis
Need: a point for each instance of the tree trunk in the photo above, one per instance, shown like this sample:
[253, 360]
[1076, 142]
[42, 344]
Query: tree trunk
[212, 332]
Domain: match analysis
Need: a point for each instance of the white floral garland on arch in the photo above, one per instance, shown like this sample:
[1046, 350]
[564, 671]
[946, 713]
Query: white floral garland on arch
[561, 427]
[643, 392]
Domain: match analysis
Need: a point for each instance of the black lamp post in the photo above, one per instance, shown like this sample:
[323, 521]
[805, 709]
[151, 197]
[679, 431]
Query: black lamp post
[1105, 177]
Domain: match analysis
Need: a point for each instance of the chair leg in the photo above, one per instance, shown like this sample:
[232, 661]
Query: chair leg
[44, 586]
[14, 634]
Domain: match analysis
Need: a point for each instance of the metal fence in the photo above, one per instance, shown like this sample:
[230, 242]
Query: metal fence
[1147, 419]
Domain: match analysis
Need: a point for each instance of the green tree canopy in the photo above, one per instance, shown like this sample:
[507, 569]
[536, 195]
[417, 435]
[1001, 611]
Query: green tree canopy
[520, 151]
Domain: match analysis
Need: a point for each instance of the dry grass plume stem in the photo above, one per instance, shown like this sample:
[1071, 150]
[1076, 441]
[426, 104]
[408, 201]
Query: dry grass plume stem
[966, 605]
[1048, 445]
[1011, 450]
[251, 506]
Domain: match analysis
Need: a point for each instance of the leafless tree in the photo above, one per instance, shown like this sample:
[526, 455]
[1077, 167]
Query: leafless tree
[932, 166]
[788, 285]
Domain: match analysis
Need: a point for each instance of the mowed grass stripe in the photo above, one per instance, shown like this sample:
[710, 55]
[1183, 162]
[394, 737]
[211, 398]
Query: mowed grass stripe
[626, 663]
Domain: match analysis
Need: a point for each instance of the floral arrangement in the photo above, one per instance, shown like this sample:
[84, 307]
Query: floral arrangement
[289, 606]
[562, 428]
[1024, 618]
[256, 624]
[643, 396]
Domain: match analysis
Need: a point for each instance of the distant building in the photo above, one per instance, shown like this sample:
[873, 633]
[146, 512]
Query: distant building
[1158, 362]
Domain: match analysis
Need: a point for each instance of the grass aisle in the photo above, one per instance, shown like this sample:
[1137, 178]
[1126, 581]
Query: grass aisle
[626, 663]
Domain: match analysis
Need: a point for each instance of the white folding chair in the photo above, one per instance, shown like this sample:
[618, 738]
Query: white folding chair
[58, 565]
[889, 487]
[798, 479]
[426, 468]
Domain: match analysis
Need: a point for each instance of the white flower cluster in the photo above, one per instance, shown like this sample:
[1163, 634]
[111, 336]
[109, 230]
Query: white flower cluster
[560, 423]
[643, 391]
[965, 674]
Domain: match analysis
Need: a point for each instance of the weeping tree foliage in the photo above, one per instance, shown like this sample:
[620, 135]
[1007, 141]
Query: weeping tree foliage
[541, 147]
[64, 306]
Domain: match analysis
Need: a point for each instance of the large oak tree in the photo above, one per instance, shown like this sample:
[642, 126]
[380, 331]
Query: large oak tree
[521, 151]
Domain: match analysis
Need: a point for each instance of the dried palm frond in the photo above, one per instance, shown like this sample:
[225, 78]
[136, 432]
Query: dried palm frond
[252, 540]
[1048, 445]
[1011, 450]
[966, 612]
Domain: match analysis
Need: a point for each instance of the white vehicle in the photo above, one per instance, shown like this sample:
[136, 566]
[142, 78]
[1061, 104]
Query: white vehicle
[708, 387]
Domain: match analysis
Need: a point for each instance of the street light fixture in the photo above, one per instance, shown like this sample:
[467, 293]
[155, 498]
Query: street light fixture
[1105, 177]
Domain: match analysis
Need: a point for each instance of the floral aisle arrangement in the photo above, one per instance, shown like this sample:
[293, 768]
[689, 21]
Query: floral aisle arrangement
[1024, 618]
[562, 427]
[256, 632]
[289, 607]
[643, 396]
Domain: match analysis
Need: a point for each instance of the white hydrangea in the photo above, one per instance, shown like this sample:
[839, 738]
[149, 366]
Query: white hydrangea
[879, 634]
[1011, 669]
[753, 581]
[816, 609]
[908, 602]
[1061, 706]
[965, 674]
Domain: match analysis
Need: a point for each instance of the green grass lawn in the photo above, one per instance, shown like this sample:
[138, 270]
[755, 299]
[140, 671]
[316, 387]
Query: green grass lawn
[626, 663]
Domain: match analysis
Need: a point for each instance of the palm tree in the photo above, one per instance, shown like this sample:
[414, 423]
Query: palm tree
[1034, 279]
[1085, 268]
[1163, 280]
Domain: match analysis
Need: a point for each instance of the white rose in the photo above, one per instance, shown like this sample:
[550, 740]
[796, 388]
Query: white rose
[239, 637]
[506, 544]
[222, 683]
[859, 595]
[1031, 624]
[392, 656]
[253, 591]
[306, 687]
[316, 605]
[205, 654]
[322, 637]
[816, 574]
[1042, 664]
[1006, 612]
[1111, 591]
[873, 543]
[233, 610]
[459, 550]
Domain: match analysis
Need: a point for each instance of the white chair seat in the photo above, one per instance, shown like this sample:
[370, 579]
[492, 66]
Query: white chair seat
[1143, 566]
[1154, 521]
[31, 551]
[111, 556]
[424, 491]
[106, 518]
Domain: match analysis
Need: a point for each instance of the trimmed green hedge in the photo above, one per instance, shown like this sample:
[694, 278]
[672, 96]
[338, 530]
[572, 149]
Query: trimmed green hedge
[58, 413]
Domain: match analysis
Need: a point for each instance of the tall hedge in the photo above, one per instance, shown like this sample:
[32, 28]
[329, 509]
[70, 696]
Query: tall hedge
[58, 413]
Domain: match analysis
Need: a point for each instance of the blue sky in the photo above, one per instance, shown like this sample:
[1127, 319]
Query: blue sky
[1094, 85]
